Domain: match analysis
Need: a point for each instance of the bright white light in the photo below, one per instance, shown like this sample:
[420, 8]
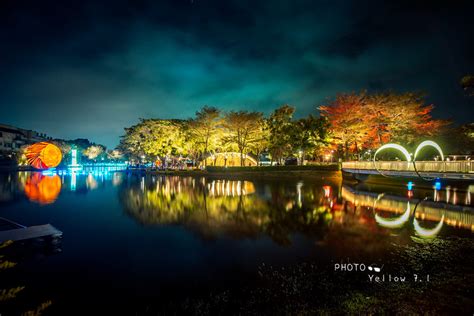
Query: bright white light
[397, 147]
[428, 143]
[74, 157]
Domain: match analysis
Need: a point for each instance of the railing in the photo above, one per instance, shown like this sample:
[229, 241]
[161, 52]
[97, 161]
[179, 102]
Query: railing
[462, 166]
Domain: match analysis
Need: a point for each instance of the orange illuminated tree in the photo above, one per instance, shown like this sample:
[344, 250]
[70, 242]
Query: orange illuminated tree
[367, 121]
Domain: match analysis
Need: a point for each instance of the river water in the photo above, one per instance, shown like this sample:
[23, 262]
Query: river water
[130, 238]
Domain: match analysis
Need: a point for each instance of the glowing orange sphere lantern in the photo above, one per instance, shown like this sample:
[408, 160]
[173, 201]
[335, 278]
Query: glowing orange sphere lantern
[43, 155]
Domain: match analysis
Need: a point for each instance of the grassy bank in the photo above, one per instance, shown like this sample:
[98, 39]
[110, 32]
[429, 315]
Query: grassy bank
[319, 167]
[323, 172]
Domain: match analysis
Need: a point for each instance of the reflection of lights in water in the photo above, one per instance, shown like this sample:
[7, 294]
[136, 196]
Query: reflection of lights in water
[142, 184]
[230, 188]
[91, 183]
[394, 222]
[116, 179]
[455, 196]
[448, 193]
[437, 185]
[299, 185]
[410, 186]
[327, 191]
[410, 193]
[43, 189]
[428, 233]
[73, 181]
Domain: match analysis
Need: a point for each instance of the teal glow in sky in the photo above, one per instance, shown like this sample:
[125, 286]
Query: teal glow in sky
[84, 69]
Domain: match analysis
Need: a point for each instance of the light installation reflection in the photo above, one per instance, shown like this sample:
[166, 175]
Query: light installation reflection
[43, 189]
[424, 210]
[394, 222]
[428, 233]
[43, 155]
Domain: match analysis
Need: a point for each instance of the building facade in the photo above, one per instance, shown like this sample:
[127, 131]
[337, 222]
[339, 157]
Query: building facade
[13, 138]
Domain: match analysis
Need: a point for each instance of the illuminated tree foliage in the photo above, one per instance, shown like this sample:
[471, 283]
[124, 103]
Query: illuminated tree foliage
[280, 128]
[204, 131]
[155, 138]
[212, 131]
[94, 151]
[242, 129]
[362, 121]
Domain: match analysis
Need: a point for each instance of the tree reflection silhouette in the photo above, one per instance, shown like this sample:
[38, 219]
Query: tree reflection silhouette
[240, 213]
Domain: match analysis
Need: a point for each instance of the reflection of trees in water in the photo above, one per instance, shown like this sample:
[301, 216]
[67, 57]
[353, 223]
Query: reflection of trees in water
[193, 203]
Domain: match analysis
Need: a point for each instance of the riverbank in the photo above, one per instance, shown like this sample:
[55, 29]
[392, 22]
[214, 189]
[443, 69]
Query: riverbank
[314, 172]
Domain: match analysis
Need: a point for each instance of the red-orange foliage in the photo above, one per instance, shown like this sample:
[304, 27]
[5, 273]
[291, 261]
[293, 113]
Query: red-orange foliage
[359, 120]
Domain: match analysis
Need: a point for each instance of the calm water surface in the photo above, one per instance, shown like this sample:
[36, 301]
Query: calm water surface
[129, 238]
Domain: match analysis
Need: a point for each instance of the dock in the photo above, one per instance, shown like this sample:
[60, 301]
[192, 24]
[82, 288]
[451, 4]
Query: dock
[31, 232]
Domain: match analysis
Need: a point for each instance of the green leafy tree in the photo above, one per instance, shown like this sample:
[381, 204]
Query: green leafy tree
[242, 129]
[280, 126]
[204, 131]
[155, 138]
[308, 134]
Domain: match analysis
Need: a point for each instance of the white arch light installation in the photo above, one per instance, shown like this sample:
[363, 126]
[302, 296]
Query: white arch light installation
[392, 146]
[407, 155]
[420, 146]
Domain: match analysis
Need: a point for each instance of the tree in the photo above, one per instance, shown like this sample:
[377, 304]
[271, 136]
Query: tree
[114, 154]
[308, 134]
[92, 152]
[242, 130]
[261, 142]
[467, 83]
[402, 118]
[279, 128]
[155, 138]
[360, 120]
[348, 120]
[204, 130]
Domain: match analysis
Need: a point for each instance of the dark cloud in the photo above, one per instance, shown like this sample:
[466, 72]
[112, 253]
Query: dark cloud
[88, 69]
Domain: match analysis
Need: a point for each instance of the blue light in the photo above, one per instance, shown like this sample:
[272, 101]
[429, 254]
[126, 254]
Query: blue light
[410, 186]
[437, 185]
[48, 172]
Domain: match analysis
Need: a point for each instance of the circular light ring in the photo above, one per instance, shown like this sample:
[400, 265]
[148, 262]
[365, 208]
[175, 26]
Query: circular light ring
[420, 146]
[428, 143]
[391, 146]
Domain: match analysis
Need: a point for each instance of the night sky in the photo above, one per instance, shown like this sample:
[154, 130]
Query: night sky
[88, 70]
